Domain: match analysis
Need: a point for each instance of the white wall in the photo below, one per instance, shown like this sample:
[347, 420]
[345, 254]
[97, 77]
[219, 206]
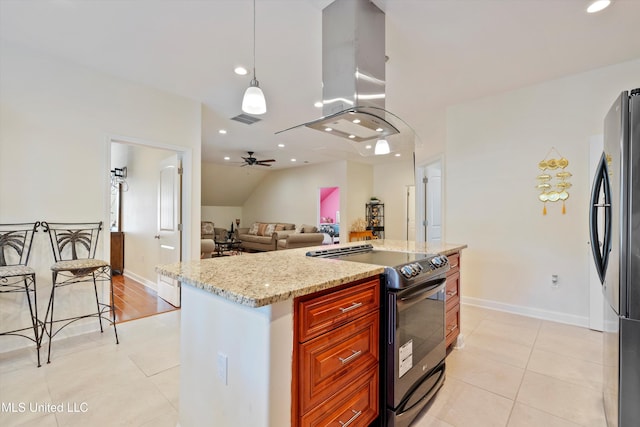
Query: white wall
[358, 192]
[56, 119]
[291, 195]
[390, 183]
[227, 185]
[493, 147]
[223, 216]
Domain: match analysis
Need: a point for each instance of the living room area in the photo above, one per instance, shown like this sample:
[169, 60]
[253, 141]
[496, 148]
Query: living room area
[291, 199]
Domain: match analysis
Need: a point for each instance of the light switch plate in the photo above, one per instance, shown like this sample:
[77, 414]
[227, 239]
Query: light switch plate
[222, 368]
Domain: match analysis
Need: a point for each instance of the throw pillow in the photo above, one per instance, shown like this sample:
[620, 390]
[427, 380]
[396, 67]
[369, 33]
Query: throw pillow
[309, 228]
[279, 227]
[300, 229]
[254, 228]
[261, 228]
[271, 228]
[206, 227]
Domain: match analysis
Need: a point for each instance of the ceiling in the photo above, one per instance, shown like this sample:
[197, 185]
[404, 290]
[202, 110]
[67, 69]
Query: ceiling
[441, 52]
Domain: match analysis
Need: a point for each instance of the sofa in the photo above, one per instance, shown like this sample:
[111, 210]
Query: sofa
[300, 240]
[271, 236]
[208, 235]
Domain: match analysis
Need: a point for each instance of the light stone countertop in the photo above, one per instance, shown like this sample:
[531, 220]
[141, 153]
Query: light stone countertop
[260, 279]
[419, 247]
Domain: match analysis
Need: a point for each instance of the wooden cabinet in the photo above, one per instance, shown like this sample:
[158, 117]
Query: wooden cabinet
[336, 356]
[452, 298]
[117, 252]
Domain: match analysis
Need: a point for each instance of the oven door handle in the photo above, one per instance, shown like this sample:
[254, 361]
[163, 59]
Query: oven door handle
[421, 292]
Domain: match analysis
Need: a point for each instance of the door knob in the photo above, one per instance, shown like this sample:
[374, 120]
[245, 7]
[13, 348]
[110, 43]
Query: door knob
[157, 236]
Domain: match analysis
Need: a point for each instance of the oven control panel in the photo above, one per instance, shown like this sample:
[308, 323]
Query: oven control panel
[438, 261]
[426, 267]
[411, 270]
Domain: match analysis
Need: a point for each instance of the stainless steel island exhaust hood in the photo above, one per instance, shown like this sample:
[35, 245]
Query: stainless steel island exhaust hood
[353, 74]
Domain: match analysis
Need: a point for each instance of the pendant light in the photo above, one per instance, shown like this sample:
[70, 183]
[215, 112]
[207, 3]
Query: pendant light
[598, 5]
[382, 147]
[253, 101]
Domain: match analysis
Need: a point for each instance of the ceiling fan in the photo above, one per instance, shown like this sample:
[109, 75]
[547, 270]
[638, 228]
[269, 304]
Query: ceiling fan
[251, 161]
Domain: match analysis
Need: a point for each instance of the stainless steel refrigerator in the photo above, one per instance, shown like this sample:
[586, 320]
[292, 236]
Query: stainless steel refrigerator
[615, 242]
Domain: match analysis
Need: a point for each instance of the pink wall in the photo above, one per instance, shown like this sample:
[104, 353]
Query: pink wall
[329, 202]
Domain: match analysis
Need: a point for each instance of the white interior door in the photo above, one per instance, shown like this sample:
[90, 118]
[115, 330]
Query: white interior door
[169, 225]
[596, 300]
[433, 198]
[411, 212]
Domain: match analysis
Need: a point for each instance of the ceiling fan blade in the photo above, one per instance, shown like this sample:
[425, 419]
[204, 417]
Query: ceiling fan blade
[262, 164]
[266, 161]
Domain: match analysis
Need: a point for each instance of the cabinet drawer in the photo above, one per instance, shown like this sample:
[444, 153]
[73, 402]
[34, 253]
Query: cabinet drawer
[454, 263]
[358, 403]
[326, 312]
[453, 285]
[332, 361]
[452, 328]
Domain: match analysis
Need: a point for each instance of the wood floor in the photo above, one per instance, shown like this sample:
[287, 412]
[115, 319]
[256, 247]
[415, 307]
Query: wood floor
[133, 300]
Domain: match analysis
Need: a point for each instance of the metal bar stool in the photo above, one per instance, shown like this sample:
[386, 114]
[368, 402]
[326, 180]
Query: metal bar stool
[74, 248]
[15, 276]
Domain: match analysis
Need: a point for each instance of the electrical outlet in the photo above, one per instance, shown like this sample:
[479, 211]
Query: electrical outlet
[554, 281]
[222, 367]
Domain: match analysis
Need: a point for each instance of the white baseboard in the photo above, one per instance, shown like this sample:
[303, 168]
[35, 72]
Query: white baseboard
[137, 278]
[537, 313]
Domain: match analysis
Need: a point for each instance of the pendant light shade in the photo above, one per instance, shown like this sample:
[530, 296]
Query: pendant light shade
[382, 147]
[253, 101]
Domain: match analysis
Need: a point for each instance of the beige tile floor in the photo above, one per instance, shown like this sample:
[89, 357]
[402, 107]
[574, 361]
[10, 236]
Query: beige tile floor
[518, 371]
[513, 371]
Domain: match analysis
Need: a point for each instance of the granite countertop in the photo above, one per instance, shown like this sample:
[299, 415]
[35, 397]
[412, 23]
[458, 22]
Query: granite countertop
[420, 247]
[260, 279]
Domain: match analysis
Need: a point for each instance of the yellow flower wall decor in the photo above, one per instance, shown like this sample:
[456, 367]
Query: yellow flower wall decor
[553, 185]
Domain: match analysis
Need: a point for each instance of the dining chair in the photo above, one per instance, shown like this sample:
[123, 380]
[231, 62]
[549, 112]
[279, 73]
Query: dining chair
[74, 248]
[17, 277]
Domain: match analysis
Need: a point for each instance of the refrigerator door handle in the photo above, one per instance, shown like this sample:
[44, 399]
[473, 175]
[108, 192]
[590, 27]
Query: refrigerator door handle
[600, 248]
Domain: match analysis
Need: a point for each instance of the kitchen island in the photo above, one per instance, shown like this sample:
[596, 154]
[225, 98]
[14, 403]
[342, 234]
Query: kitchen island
[237, 329]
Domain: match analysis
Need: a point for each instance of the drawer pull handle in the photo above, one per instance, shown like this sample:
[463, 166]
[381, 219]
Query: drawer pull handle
[350, 358]
[452, 293]
[356, 414]
[353, 306]
[452, 328]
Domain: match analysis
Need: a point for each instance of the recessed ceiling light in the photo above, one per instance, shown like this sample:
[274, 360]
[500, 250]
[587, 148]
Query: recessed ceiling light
[227, 158]
[368, 147]
[598, 5]
[293, 160]
[379, 130]
[318, 104]
[356, 121]
[351, 136]
[397, 154]
[328, 129]
[281, 145]
[222, 131]
[241, 71]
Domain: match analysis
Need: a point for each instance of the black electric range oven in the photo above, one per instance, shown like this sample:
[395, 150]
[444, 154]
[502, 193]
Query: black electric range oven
[412, 331]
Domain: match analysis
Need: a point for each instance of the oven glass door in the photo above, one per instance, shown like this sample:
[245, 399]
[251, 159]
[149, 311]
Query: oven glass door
[419, 344]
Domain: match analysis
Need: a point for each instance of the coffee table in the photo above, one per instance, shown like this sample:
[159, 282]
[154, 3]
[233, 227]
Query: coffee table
[227, 247]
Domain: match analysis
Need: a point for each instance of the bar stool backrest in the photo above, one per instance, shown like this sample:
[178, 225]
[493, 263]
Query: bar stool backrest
[15, 243]
[73, 240]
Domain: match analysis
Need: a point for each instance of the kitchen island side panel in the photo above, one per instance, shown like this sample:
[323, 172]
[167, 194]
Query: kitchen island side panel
[258, 345]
